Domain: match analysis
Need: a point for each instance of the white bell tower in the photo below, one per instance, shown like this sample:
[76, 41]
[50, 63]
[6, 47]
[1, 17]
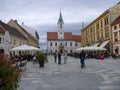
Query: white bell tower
[60, 27]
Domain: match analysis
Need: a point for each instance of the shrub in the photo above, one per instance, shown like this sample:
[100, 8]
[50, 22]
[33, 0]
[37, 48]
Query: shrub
[41, 57]
[9, 75]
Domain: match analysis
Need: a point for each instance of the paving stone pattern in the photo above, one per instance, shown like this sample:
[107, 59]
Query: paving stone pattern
[98, 75]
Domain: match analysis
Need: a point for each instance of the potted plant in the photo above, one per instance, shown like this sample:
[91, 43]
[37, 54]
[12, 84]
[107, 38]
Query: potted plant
[41, 59]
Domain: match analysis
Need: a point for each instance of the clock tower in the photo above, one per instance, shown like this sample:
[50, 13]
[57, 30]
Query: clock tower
[60, 27]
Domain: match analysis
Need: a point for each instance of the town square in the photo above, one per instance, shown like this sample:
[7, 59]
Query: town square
[59, 45]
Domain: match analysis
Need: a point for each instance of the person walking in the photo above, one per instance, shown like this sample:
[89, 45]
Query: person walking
[65, 57]
[59, 58]
[34, 59]
[55, 56]
[82, 58]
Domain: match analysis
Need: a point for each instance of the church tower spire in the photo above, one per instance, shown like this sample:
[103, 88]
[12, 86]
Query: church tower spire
[60, 20]
[60, 26]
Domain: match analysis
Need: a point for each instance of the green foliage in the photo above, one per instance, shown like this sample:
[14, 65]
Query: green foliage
[41, 57]
[9, 75]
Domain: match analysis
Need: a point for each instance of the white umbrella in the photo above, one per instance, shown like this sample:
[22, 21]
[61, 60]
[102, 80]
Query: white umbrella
[34, 48]
[25, 48]
[82, 48]
[96, 48]
[21, 48]
[91, 48]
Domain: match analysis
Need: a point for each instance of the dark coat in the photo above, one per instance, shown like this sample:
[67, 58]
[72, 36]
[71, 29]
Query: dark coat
[82, 55]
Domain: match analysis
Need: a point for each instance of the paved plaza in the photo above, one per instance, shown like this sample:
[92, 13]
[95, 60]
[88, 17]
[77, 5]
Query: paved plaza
[98, 75]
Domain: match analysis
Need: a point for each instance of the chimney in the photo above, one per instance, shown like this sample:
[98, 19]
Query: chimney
[15, 21]
[22, 23]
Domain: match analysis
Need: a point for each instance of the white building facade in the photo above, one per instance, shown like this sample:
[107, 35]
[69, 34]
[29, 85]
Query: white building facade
[61, 41]
[115, 26]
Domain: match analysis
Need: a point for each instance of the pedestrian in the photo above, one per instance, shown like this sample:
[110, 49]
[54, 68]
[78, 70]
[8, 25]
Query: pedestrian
[65, 57]
[34, 59]
[82, 58]
[55, 56]
[59, 58]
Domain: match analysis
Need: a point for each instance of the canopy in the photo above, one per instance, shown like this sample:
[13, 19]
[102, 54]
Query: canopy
[25, 48]
[91, 48]
[104, 44]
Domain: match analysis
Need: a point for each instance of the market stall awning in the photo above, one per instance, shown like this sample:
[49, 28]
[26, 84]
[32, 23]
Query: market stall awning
[91, 48]
[104, 43]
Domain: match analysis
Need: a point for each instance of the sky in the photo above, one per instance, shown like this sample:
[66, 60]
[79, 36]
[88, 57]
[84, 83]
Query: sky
[42, 15]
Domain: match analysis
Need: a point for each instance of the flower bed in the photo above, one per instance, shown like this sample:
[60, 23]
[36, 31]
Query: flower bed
[9, 75]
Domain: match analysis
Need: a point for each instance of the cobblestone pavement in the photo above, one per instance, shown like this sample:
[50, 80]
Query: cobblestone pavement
[98, 75]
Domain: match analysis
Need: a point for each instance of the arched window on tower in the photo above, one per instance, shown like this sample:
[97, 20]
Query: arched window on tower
[60, 26]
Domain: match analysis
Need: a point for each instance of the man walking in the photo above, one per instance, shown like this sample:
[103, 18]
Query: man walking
[59, 58]
[82, 58]
[55, 56]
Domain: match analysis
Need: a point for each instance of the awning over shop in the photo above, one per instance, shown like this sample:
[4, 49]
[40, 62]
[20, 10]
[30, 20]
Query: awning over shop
[96, 44]
[104, 44]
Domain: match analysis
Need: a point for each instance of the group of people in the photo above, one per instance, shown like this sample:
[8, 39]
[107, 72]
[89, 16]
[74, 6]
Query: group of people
[59, 55]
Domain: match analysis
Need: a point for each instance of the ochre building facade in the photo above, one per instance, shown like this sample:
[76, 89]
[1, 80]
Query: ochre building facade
[99, 31]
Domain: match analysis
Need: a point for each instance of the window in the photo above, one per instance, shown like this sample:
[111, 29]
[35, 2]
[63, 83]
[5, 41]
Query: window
[66, 44]
[71, 44]
[106, 21]
[11, 42]
[0, 40]
[60, 26]
[115, 27]
[119, 35]
[14, 42]
[20, 42]
[55, 44]
[101, 24]
[97, 25]
[115, 36]
[61, 44]
[3, 40]
[76, 44]
[51, 44]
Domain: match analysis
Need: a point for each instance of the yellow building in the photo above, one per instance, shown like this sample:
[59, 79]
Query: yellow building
[31, 40]
[16, 38]
[99, 31]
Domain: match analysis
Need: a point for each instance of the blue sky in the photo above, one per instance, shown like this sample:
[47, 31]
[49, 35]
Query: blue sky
[43, 15]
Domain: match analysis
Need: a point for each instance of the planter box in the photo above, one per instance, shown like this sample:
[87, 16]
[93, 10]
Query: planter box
[41, 64]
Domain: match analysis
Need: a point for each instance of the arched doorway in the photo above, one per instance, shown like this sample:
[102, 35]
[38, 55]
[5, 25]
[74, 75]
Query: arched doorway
[61, 49]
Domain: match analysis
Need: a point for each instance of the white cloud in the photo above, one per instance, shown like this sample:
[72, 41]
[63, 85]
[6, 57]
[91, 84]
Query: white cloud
[43, 15]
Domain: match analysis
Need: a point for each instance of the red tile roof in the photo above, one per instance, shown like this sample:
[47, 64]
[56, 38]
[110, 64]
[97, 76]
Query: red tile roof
[77, 38]
[2, 30]
[52, 36]
[11, 30]
[67, 36]
[116, 21]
